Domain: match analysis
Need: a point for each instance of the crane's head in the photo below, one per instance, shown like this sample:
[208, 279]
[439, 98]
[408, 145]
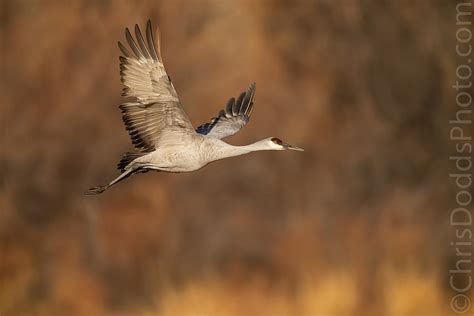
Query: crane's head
[277, 144]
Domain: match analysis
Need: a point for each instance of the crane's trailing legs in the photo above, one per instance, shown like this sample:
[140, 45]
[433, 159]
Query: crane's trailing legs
[101, 188]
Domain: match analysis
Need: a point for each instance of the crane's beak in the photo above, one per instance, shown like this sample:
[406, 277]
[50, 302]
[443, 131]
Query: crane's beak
[288, 146]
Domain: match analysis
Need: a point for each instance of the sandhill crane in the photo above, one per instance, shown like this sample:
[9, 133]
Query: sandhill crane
[162, 133]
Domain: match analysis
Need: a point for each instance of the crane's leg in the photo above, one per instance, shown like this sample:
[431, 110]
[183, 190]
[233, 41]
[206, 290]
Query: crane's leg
[101, 188]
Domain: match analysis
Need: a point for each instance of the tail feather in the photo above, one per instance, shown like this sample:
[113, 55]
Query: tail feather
[127, 158]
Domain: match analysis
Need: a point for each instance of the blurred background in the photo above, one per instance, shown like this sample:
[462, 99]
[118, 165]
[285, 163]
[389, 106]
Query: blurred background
[358, 224]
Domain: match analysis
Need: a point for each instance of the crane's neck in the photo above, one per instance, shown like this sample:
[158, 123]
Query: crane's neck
[224, 150]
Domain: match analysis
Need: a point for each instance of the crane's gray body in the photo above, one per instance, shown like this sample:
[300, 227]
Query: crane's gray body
[192, 154]
[184, 156]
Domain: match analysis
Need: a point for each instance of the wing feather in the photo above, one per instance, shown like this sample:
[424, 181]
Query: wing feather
[124, 50]
[141, 42]
[133, 45]
[155, 110]
[235, 116]
[151, 42]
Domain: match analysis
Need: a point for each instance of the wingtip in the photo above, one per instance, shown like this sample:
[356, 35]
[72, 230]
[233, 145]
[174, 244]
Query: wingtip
[123, 50]
[149, 27]
[252, 87]
[128, 35]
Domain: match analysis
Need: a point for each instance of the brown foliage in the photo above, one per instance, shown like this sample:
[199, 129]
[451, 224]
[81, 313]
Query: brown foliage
[355, 225]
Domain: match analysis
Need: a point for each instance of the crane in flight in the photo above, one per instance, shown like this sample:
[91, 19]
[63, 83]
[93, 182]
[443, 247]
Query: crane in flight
[164, 138]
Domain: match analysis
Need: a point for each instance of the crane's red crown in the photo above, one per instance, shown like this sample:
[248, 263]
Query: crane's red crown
[277, 141]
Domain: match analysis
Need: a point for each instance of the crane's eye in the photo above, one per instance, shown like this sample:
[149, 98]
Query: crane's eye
[277, 141]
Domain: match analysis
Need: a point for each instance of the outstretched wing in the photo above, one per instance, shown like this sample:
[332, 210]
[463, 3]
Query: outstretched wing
[155, 110]
[235, 116]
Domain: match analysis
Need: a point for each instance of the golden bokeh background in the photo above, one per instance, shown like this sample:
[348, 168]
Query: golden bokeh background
[358, 224]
